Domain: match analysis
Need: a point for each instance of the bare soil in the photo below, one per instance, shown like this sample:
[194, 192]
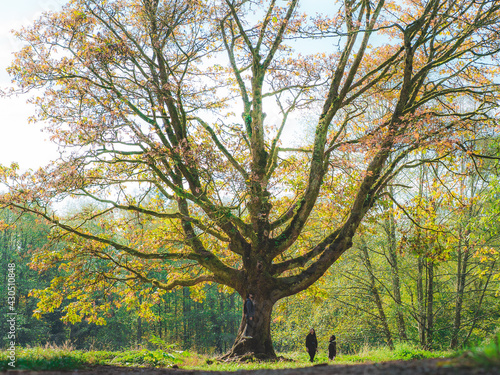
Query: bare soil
[414, 367]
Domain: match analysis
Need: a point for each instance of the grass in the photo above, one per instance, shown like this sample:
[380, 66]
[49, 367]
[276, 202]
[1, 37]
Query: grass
[301, 359]
[401, 352]
[42, 358]
[487, 355]
[65, 358]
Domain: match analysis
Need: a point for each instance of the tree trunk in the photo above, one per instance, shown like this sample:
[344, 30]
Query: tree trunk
[462, 263]
[138, 337]
[396, 285]
[376, 297]
[139, 332]
[420, 275]
[461, 278]
[185, 317]
[421, 302]
[260, 345]
[430, 303]
[478, 305]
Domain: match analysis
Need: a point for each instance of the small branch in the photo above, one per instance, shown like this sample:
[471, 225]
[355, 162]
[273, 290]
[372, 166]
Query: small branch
[407, 214]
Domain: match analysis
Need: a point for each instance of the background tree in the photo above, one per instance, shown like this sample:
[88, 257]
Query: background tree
[19, 238]
[209, 326]
[142, 102]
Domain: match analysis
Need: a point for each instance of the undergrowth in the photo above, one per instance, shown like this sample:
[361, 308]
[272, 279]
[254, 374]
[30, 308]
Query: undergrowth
[65, 357]
[164, 356]
[486, 355]
[401, 352]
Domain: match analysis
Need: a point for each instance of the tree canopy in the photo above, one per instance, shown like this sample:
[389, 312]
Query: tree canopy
[171, 118]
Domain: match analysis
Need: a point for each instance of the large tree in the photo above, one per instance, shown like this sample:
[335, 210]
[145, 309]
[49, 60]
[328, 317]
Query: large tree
[144, 99]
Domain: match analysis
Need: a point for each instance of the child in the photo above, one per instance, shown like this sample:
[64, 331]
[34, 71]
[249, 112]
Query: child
[332, 348]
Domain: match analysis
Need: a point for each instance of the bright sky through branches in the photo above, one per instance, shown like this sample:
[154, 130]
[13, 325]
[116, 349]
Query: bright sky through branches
[19, 141]
[25, 143]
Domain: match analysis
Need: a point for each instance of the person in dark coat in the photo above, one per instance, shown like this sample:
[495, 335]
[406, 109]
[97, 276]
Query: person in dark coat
[311, 344]
[249, 313]
[332, 348]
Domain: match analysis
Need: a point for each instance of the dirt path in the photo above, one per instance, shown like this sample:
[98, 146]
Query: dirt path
[416, 367]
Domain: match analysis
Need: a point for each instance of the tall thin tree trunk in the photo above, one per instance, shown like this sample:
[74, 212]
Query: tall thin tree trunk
[479, 305]
[422, 321]
[139, 332]
[177, 320]
[396, 285]
[376, 296]
[430, 303]
[462, 260]
[185, 298]
[160, 332]
[421, 302]
[462, 263]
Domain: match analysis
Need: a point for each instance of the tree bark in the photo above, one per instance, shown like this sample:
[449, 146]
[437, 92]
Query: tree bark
[478, 305]
[421, 302]
[260, 345]
[462, 263]
[430, 304]
[396, 285]
[376, 297]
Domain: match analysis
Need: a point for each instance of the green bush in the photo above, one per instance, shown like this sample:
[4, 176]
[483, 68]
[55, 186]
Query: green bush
[487, 355]
[144, 357]
[408, 352]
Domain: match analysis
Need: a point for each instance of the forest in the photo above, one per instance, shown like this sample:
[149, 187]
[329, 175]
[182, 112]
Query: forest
[431, 280]
[339, 163]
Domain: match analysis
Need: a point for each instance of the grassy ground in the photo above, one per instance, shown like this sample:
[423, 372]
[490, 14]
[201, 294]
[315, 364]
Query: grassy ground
[487, 355]
[65, 358]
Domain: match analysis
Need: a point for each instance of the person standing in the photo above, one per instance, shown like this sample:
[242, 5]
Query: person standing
[332, 348]
[249, 313]
[311, 344]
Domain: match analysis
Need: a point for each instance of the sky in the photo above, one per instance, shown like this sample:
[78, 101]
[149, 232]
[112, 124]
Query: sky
[20, 142]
